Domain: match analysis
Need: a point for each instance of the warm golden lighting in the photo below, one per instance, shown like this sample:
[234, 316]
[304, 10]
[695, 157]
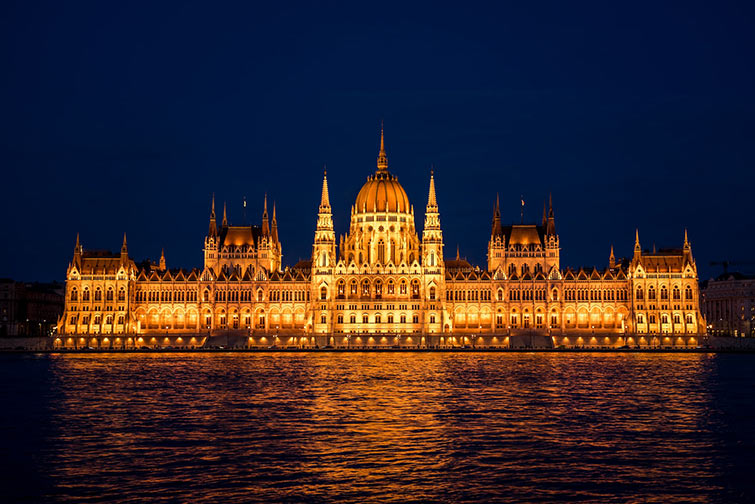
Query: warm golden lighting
[383, 277]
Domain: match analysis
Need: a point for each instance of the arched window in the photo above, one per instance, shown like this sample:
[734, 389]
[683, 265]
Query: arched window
[677, 293]
[74, 294]
[260, 296]
[664, 293]
[85, 295]
[324, 259]
[402, 287]
[639, 293]
[341, 289]
[377, 318]
[432, 294]
[415, 289]
[554, 294]
[390, 318]
[432, 318]
[651, 293]
[431, 259]
[98, 294]
[688, 293]
[500, 294]
[109, 295]
[353, 289]
[206, 296]
[121, 294]
[381, 251]
[323, 293]
[366, 288]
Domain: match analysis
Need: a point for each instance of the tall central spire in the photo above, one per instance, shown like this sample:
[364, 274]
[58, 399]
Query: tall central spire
[382, 160]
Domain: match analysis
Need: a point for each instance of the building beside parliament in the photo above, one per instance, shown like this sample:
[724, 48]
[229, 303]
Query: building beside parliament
[383, 284]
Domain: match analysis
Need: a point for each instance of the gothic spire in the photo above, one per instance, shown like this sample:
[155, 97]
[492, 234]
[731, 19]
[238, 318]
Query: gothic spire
[213, 227]
[637, 248]
[124, 247]
[431, 201]
[265, 221]
[551, 229]
[686, 241]
[382, 160]
[225, 216]
[325, 196]
[162, 260]
[611, 259]
[497, 230]
[275, 225]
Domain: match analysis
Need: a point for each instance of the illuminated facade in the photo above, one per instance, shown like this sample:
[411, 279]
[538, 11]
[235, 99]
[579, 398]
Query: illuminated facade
[382, 285]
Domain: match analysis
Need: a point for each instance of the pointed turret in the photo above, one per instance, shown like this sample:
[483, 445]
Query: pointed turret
[382, 160]
[611, 259]
[687, 249]
[324, 247]
[551, 227]
[432, 234]
[265, 220]
[213, 226]
[637, 248]
[161, 266]
[225, 216]
[431, 201]
[77, 252]
[124, 250]
[458, 257]
[275, 226]
[325, 196]
[497, 230]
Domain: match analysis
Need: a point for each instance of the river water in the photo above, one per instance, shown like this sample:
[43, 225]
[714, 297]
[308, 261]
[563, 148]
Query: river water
[377, 427]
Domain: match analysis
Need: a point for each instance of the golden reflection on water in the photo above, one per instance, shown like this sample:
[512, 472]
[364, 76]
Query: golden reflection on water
[382, 427]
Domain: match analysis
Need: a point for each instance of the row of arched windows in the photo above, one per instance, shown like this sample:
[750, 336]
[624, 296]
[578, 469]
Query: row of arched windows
[676, 293]
[85, 296]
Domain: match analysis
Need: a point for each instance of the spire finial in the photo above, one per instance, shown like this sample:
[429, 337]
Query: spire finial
[431, 200]
[382, 160]
[225, 215]
[212, 213]
[611, 258]
[686, 241]
[162, 259]
[77, 241]
[265, 222]
[325, 195]
[124, 240]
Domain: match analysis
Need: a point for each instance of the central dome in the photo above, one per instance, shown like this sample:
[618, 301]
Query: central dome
[382, 193]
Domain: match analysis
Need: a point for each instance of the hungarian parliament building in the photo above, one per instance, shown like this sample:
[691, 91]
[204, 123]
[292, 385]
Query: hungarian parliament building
[381, 285]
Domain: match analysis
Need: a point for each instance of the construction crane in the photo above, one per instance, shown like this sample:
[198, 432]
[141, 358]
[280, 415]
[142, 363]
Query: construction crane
[726, 264]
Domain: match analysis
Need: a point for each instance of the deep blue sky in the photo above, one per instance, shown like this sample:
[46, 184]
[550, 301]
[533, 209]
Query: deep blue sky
[126, 116]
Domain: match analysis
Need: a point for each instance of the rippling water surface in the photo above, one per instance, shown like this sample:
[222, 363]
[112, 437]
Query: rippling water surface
[386, 427]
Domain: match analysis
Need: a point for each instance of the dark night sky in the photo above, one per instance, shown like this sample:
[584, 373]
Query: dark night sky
[123, 116]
